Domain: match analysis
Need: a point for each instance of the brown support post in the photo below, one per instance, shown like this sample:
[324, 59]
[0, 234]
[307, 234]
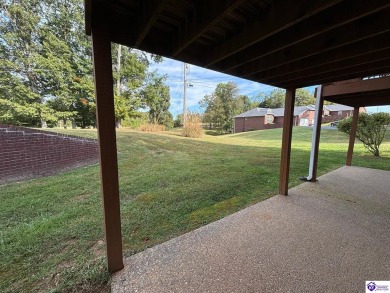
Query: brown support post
[286, 141]
[107, 138]
[352, 135]
[317, 125]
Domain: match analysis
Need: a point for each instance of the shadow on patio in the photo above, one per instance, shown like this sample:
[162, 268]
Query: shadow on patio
[329, 236]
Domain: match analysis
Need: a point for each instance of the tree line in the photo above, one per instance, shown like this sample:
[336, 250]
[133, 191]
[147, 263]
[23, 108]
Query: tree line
[225, 102]
[46, 69]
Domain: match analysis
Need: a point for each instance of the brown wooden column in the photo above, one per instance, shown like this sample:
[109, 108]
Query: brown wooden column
[286, 141]
[317, 133]
[352, 136]
[107, 138]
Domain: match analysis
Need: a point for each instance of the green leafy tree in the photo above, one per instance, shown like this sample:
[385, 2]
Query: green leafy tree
[304, 97]
[370, 130]
[276, 98]
[47, 56]
[178, 121]
[222, 105]
[130, 72]
[155, 96]
[21, 101]
[273, 100]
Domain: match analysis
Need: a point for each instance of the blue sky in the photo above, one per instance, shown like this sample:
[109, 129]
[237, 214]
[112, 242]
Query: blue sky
[204, 82]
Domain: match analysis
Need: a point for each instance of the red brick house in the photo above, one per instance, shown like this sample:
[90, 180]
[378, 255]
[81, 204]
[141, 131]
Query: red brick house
[337, 112]
[265, 118]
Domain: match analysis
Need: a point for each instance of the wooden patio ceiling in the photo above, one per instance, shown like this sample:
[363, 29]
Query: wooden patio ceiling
[359, 92]
[284, 43]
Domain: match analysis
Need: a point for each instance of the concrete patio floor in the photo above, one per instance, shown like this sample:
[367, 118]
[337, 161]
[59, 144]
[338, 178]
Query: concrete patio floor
[329, 236]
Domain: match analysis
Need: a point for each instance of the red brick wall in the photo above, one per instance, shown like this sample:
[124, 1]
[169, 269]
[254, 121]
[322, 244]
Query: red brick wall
[28, 153]
[255, 123]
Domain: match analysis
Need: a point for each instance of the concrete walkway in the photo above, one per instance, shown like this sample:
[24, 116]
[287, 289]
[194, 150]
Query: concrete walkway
[329, 236]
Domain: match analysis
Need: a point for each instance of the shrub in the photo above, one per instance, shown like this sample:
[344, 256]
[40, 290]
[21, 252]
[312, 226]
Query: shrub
[152, 127]
[370, 130]
[136, 120]
[193, 126]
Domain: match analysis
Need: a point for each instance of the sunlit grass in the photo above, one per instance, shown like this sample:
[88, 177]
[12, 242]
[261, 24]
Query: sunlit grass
[51, 235]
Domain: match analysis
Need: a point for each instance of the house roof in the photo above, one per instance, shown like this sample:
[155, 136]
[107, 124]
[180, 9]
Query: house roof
[288, 44]
[277, 112]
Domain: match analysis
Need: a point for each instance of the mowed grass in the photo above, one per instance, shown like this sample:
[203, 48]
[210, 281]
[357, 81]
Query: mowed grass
[51, 236]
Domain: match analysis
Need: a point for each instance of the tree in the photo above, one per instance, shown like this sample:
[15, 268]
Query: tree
[130, 72]
[155, 96]
[19, 48]
[273, 100]
[46, 55]
[222, 105]
[276, 98]
[46, 68]
[178, 121]
[304, 97]
[370, 130]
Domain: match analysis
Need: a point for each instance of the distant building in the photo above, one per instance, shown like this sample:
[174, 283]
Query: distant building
[337, 112]
[266, 118]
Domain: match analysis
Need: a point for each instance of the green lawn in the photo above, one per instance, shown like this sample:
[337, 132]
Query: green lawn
[51, 236]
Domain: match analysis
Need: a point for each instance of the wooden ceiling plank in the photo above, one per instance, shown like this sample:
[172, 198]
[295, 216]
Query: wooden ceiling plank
[150, 12]
[381, 99]
[338, 74]
[327, 20]
[329, 78]
[280, 16]
[349, 64]
[362, 86]
[375, 24]
[379, 44]
[207, 15]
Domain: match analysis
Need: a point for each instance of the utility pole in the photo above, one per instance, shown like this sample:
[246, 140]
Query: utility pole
[185, 92]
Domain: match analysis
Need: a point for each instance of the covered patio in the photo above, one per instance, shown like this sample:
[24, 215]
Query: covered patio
[329, 236]
[288, 44]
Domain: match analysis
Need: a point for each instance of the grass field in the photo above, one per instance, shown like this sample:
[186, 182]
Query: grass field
[51, 236]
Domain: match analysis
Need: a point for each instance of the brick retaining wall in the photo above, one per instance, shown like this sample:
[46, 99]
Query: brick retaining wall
[29, 153]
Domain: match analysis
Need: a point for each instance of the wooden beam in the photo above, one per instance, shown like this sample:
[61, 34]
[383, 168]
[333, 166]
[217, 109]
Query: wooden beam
[336, 16]
[151, 9]
[362, 86]
[352, 136]
[207, 14]
[338, 73]
[105, 115]
[280, 16]
[286, 141]
[329, 78]
[363, 29]
[87, 16]
[358, 50]
[372, 99]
